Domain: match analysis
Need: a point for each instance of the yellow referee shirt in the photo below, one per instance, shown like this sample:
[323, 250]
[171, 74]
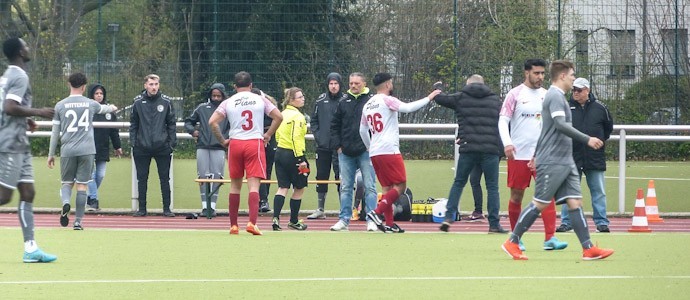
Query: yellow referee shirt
[291, 132]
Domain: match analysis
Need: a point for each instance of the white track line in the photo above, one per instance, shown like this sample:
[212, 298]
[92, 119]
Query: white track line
[652, 178]
[231, 280]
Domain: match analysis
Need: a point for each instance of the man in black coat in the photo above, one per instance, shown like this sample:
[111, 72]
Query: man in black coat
[352, 153]
[152, 133]
[476, 108]
[325, 107]
[591, 117]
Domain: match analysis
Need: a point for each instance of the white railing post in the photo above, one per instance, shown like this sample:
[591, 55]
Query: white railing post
[170, 181]
[621, 172]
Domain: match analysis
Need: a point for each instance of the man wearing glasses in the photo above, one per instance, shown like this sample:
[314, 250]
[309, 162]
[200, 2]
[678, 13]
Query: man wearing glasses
[591, 117]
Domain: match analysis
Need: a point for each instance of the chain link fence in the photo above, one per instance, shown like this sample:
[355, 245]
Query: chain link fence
[635, 53]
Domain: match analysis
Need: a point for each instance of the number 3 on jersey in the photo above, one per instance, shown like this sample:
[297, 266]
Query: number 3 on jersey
[248, 124]
[74, 124]
[375, 124]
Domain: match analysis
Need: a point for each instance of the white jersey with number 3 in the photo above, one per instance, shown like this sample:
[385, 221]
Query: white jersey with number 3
[380, 117]
[245, 113]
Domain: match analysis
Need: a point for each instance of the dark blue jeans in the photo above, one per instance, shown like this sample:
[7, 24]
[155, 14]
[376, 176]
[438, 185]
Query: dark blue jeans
[489, 165]
[476, 184]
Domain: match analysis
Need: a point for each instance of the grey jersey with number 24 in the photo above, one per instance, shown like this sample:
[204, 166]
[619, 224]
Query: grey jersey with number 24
[74, 121]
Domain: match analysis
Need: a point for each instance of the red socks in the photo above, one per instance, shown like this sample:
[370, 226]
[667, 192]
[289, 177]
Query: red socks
[548, 215]
[514, 210]
[253, 207]
[385, 206]
[233, 206]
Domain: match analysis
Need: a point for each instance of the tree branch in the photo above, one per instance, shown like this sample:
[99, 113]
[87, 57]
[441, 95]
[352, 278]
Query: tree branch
[45, 20]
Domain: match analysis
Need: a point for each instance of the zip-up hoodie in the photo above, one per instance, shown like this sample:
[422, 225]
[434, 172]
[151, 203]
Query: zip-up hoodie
[324, 108]
[104, 136]
[152, 125]
[200, 116]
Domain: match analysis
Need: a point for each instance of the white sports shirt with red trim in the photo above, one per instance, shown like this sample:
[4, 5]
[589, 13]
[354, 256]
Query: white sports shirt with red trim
[379, 123]
[523, 107]
[245, 113]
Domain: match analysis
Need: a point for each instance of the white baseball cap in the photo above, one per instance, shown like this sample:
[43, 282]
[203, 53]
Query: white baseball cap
[581, 83]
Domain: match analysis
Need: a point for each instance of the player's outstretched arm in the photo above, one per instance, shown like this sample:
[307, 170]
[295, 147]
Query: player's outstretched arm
[106, 108]
[13, 108]
[567, 129]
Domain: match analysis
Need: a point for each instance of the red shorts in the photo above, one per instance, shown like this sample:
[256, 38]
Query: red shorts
[519, 174]
[389, 169]
[249, 156]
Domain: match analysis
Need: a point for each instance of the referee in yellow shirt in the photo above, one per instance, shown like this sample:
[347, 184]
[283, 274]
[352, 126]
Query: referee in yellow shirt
[291, 165]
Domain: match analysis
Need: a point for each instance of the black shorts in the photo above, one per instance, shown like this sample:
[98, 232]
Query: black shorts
[286, 170]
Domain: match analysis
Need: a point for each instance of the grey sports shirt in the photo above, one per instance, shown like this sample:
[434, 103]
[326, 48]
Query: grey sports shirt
[555, 144]
[14, 86]
[73, 123]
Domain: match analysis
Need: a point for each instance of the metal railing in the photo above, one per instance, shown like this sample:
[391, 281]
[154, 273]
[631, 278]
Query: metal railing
[622, 138]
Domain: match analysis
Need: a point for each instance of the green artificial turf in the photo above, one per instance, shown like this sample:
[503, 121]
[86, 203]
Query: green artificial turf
[185, 264]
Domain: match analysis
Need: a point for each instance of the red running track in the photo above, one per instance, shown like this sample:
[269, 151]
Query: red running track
[223, 223]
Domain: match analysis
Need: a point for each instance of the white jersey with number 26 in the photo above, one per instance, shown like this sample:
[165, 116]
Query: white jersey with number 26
[379, 127]
[245, 112]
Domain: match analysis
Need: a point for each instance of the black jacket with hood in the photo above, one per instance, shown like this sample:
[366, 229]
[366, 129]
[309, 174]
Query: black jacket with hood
[476, 108]
[345, 123]
[152, 125]
[200, 116]
[325, 107]
[104, 136]
[592, 119]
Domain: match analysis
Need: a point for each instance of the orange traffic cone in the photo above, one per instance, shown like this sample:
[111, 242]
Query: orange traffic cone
[652, 209]
[639, 221]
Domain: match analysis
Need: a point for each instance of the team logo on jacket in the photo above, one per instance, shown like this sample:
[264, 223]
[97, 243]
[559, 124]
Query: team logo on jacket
[160, 108]
[108, 116]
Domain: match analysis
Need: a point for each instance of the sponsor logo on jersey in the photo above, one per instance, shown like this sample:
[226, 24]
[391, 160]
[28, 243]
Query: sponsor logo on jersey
[108, 116]
[160, 107]
[535, 115]
[372, 105]
[244, 101]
